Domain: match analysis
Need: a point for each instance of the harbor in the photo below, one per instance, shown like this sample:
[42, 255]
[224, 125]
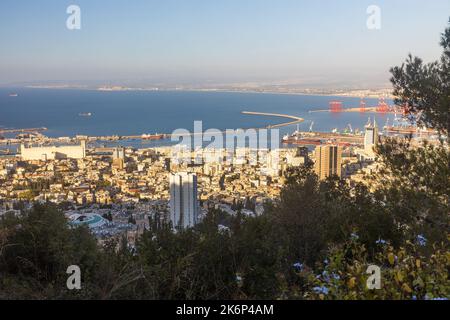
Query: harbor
[348, 137]
[11, 138]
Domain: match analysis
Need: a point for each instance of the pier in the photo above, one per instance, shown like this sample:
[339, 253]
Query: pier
[279, 115]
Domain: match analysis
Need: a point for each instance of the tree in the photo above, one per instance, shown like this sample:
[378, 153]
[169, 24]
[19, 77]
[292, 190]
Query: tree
[414, 178]
[424, 89]
[38, 248]
[413, 185]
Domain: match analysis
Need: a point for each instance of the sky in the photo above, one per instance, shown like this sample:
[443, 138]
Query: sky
[215, 41]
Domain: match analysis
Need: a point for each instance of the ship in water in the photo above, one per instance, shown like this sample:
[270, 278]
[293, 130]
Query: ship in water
[85, 114]
[152, 136]
[13, 95]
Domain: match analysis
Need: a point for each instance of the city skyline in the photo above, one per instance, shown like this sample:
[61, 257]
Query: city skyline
[293, 42]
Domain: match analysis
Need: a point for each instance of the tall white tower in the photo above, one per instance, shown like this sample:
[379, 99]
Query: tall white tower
[183, 200]
[371, 137]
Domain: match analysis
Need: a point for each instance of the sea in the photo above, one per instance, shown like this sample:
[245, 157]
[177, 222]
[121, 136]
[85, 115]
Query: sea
[138, 112]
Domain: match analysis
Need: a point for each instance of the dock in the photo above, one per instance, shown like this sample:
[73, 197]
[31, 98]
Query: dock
[318, 138]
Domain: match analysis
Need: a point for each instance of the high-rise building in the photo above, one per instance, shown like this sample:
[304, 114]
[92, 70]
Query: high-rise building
[371, 137]
[119, 153]
[184, 206]
[119, 158]
[328, 161]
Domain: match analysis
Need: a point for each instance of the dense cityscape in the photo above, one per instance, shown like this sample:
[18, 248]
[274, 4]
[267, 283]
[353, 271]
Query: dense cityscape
[117, 191]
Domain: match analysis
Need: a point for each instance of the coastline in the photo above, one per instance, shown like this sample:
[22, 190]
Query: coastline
[350, 94]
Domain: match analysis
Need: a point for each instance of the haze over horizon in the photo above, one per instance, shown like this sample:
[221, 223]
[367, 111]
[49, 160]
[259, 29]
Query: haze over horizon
[325, 43]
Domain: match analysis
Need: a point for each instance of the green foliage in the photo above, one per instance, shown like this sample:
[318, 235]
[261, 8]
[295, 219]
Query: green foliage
[37, 250]
[189, 264]
[425, 88]
[312, 215]
[257, 257]
[406, 273]
[414, 186]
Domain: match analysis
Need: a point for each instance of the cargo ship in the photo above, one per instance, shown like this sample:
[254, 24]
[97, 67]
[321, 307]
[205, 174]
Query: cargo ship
[13, 95]
[85, 114]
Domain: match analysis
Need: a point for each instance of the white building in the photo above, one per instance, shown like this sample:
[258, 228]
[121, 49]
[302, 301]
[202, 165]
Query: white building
[184, 205]
[119, 153]
[53, 152]
[371, 138]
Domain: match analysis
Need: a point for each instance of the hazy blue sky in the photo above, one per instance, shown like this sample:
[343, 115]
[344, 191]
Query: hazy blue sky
[215, 40]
